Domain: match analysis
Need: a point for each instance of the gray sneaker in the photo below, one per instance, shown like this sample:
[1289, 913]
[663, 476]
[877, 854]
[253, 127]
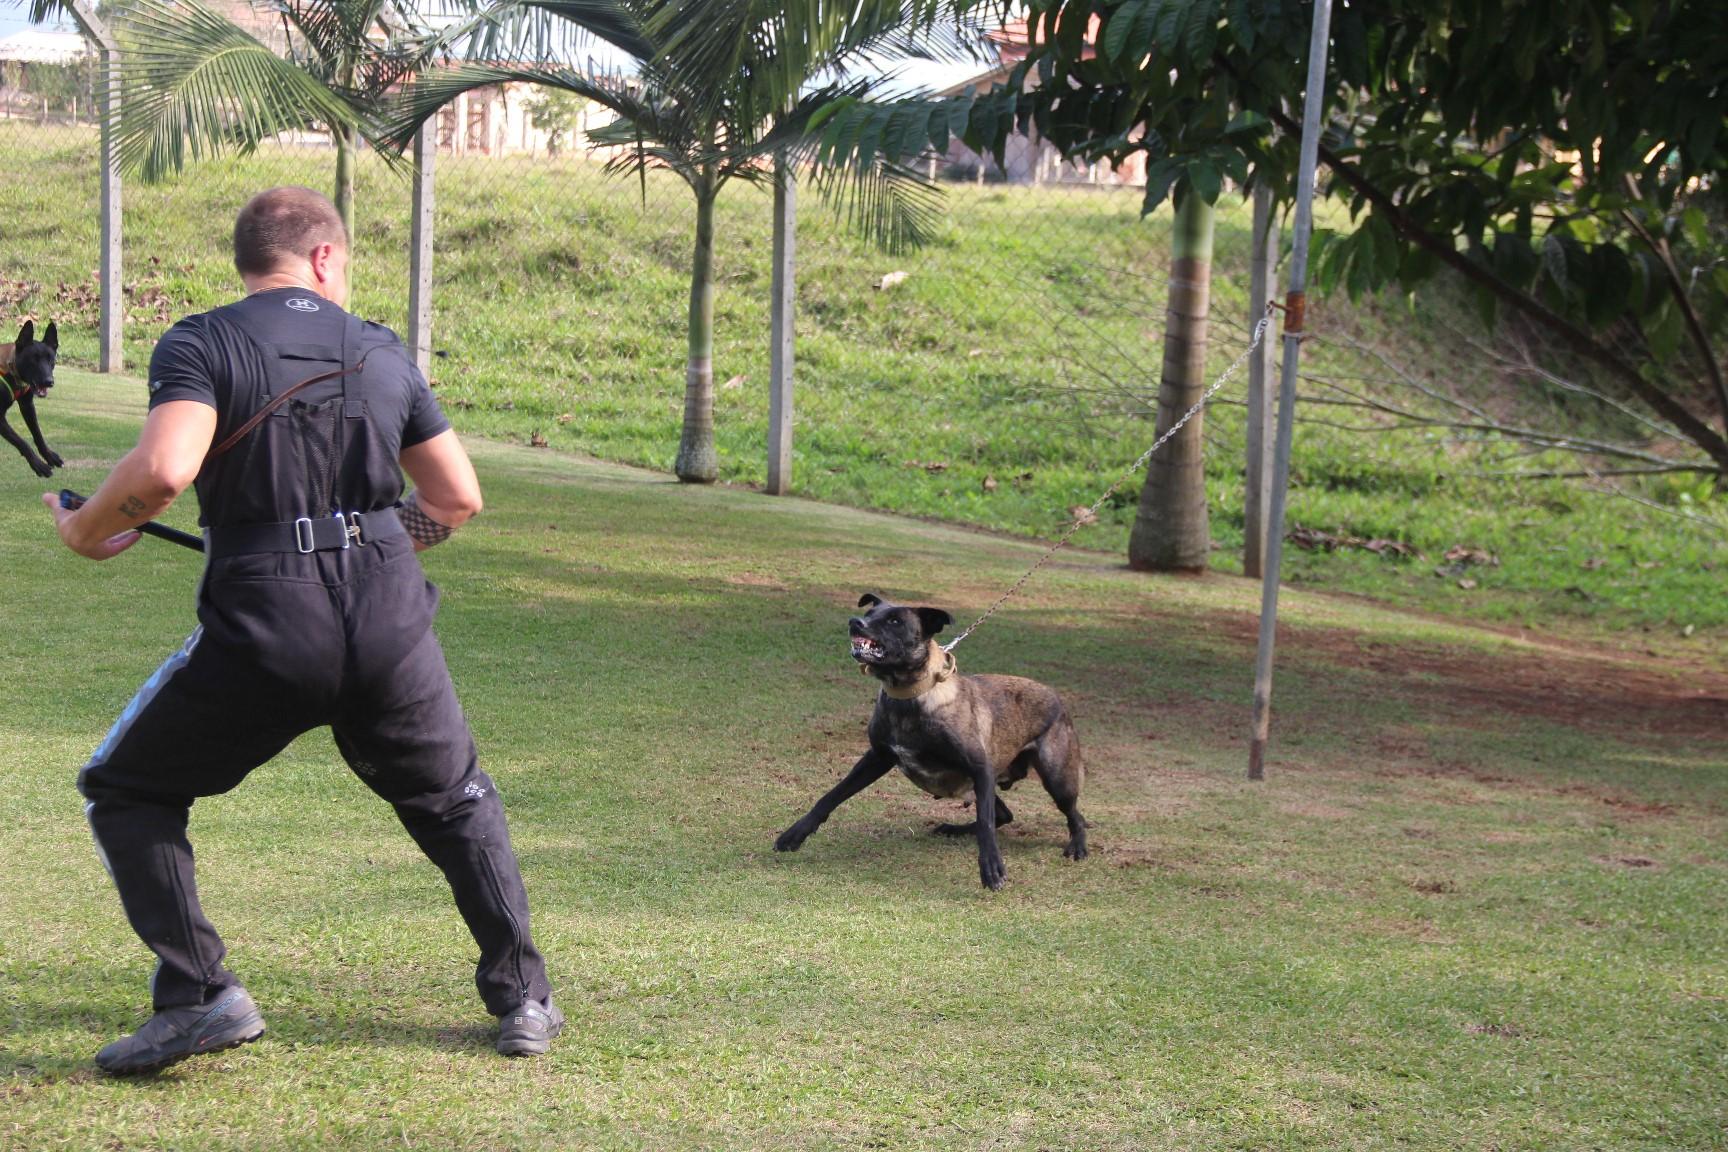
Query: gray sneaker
[529, 1029]
[228, 1020]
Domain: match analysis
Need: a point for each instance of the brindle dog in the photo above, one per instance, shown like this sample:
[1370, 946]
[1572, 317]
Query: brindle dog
[26, 374]
[949, 733]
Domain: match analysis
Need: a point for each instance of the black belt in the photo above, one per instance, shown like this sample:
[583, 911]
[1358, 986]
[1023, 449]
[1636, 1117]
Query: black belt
[326, 534]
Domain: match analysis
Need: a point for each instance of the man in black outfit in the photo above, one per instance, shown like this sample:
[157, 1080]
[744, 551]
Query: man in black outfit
[313, 611]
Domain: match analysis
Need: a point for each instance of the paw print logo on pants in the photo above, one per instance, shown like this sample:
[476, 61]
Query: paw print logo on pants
[473, 789]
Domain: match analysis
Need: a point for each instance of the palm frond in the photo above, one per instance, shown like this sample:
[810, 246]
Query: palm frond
[41, 11]
[193, 85]
[400, 118]
[336, 32]
[546, 33]
[887, 203]
[767, 51]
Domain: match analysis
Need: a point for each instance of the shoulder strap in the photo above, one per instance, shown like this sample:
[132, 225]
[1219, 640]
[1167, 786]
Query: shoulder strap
[263, 413]
[351, 404]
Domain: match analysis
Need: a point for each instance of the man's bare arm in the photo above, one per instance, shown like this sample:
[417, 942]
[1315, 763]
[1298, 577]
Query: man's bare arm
[446, 491]
[148, 479]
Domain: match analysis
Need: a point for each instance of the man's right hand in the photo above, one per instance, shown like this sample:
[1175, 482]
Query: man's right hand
[102, 549]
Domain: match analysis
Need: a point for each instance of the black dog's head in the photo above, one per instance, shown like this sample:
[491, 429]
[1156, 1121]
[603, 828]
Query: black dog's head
[33, 359]
[891, 638]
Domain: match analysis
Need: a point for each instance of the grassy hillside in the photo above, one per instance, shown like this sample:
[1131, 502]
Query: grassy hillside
[1004, 382]
[1479, 902]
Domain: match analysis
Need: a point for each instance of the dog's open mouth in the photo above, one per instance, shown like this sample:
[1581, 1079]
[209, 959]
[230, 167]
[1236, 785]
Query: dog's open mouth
[864, 648]
[41, 389]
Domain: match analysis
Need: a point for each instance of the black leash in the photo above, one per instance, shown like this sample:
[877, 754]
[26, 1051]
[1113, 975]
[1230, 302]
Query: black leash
[71, 501]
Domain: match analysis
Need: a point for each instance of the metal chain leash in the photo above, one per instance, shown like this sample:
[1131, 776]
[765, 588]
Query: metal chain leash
[1091, 513]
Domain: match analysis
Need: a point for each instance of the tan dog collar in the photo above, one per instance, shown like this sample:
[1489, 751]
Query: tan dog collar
[945, 670]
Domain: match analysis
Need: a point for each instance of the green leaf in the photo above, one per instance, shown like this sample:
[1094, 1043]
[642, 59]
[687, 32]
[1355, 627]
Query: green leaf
[1610, 283]
[823, 114]
[1695, 226]
[1515, 261]
[1170, 13]
[1207, 179]
[1664, 329]
[1247, 122]
[1554, 262]
[1118, 32]
[1160, 174]
[1242, 23]
[1199, 30]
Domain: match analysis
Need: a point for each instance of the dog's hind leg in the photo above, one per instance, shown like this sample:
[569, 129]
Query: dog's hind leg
[1059, 767]
[970, 828]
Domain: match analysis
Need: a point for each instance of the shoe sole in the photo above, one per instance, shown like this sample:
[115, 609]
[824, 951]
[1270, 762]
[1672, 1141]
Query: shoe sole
[530, 1046]
[222, 1045]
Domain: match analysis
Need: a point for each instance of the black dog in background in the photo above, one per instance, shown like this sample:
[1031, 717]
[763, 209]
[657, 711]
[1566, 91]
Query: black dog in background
[26, 374]
[951, 733]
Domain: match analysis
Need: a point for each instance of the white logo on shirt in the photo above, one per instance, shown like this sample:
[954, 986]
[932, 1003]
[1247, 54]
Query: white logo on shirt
[301, 304]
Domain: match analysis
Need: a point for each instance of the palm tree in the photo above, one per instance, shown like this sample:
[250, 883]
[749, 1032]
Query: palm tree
[1171, 532]
[194, 84]
[719, 90]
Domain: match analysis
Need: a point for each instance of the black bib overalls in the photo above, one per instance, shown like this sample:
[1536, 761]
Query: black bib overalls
[319, 620]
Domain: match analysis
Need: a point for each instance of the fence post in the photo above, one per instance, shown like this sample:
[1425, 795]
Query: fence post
[783, 296]
[111, 353]
[1261, 289]
[1295, 308]
[420, 248]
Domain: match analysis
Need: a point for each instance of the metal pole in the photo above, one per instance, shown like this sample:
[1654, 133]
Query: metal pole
[1261, 287]
[1313, 98]
[420, 248]
[783, 297]
[111, 351]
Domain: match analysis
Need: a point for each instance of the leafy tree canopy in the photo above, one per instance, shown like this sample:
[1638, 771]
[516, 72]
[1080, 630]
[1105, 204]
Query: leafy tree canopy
[1562, 155]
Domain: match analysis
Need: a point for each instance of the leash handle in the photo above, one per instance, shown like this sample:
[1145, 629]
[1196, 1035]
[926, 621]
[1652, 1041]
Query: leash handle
[71, 501]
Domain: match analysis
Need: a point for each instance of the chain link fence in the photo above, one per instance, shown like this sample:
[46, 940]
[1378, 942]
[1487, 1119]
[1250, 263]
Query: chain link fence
[994, 375]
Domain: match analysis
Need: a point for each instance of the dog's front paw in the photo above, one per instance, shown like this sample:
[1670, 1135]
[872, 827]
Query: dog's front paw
[40, 467]
[991, 872]
[1076, 849]
[792, 839]
[53, 459]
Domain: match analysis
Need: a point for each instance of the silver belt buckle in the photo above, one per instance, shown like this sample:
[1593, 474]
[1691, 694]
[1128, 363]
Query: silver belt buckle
[303, 534]
[355, 530]
[342, 526]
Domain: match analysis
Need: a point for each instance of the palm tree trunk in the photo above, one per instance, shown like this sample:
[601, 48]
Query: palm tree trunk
[697, 463]
[1171, 532]
[345, 143]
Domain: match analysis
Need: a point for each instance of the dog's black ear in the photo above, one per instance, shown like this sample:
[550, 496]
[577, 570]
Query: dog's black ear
[933, 620]
[869, 600]
[51, 337]
[26, 334]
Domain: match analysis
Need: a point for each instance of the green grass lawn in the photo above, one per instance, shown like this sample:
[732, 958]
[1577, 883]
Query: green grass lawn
[1022, 350]
[1479, 903]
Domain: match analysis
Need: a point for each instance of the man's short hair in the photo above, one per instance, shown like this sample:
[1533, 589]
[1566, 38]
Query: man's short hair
[284, 223]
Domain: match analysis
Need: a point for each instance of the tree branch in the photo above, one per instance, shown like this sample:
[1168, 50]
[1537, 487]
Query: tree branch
[1677, 287]
[1695, 430]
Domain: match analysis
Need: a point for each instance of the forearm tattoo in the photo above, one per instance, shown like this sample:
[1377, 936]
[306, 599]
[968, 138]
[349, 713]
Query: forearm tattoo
[131, 508]
[421, 526]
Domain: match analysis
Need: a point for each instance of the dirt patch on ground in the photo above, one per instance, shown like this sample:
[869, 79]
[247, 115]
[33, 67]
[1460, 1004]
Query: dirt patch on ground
[1563, 683]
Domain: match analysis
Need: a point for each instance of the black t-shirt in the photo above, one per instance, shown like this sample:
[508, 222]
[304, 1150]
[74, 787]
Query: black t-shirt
[237, 357]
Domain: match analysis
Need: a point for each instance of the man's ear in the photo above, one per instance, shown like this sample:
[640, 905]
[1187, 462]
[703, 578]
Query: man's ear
[26, 334]
[51, 337]
[933, 620]
[869, 600]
